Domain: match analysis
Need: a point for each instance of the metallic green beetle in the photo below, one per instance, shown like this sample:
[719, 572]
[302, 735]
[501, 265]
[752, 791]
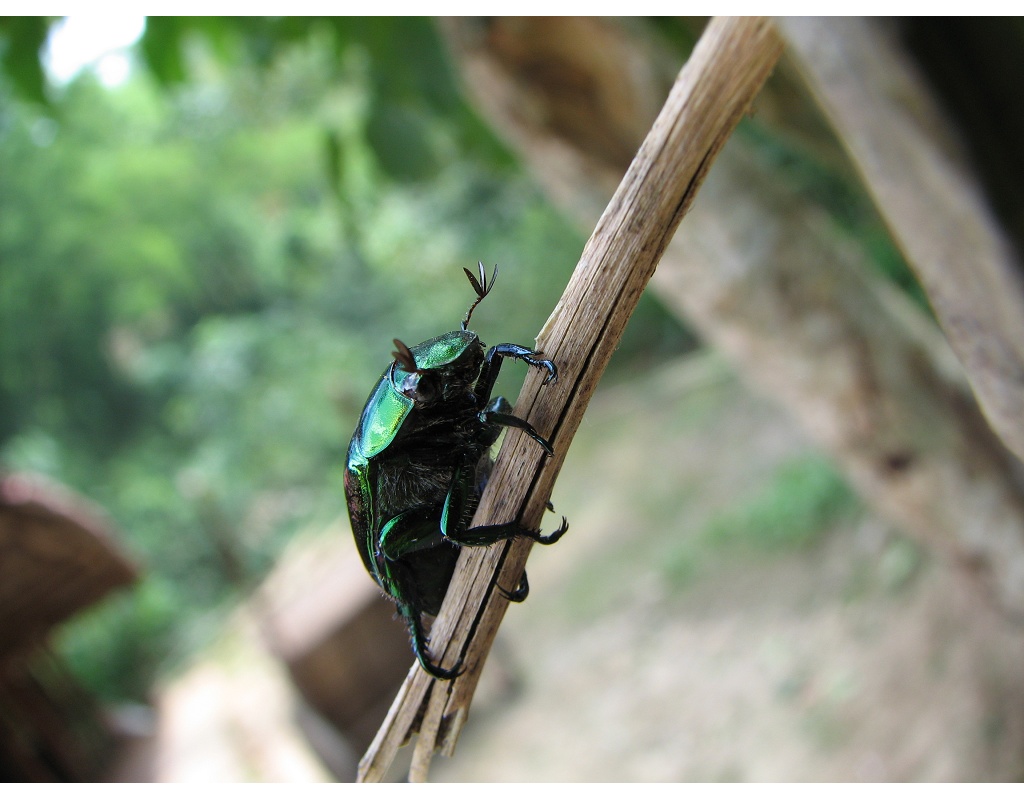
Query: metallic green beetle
[419, 460]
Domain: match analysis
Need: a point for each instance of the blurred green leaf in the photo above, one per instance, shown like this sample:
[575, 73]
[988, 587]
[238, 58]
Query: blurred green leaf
[161, 46]
[400, 138]
[21, 43]
[332, 152]
[192, 313]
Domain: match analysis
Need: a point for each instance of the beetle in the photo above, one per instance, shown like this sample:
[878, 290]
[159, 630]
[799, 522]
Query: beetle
[419, 460]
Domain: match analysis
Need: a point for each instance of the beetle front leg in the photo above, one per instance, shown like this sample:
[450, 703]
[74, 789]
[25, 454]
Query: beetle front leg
[492, 366]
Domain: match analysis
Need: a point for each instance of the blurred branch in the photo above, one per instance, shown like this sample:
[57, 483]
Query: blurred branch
[768, 278]
[911, 164]
[713, 91]
[804, 317]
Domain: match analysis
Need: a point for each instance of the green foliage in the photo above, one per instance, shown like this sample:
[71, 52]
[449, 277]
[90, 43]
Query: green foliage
[116, 648]
[193, 309]
[162, 48]
[21, 39]
[415, 120]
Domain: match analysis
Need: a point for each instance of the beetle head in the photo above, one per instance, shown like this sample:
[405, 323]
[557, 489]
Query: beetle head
[419, 385]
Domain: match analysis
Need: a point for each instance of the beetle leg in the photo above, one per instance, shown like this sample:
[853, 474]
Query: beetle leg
[454, 518]
[508, 350]
[483, 535]
[406, 533]
[489, 534]
[497, 414]
[419, 646]
[551, 538]
[492, 365]
[517, 595]
[457, 507]
[409, 532]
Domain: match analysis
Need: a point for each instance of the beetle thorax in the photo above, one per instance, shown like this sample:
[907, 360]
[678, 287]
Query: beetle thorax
[446, 368]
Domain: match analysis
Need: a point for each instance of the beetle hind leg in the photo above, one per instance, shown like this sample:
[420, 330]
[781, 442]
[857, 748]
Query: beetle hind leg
[517, 595]
[420, 646]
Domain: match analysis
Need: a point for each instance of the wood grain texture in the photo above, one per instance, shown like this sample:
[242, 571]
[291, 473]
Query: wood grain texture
[714, 89]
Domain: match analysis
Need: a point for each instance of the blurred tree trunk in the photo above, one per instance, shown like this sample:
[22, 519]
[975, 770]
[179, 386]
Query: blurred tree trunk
[915, 169]
[766, 278]
[58, 556]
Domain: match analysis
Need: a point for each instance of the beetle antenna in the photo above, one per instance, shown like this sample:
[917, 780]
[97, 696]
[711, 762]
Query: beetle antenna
[404, 357]
[482, 287]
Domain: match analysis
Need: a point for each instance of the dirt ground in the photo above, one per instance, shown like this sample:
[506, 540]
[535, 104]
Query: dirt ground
[648, 651]
[853, 658]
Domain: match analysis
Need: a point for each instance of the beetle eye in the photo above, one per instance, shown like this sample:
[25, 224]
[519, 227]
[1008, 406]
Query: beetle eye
[420, 387]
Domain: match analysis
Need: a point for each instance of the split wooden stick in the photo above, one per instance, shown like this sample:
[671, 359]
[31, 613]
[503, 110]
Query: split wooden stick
[715, 88]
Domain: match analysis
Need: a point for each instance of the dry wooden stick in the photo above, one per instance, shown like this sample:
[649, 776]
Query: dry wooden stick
[711, 94]
[904, 149]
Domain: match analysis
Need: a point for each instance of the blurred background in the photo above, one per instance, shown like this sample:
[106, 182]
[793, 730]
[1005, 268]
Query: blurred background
[210, 231]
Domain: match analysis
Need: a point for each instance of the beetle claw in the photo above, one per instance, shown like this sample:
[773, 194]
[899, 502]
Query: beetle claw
[517, 595]
[550, 538]
[440, 673]
[420, 644]
[552, 376]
